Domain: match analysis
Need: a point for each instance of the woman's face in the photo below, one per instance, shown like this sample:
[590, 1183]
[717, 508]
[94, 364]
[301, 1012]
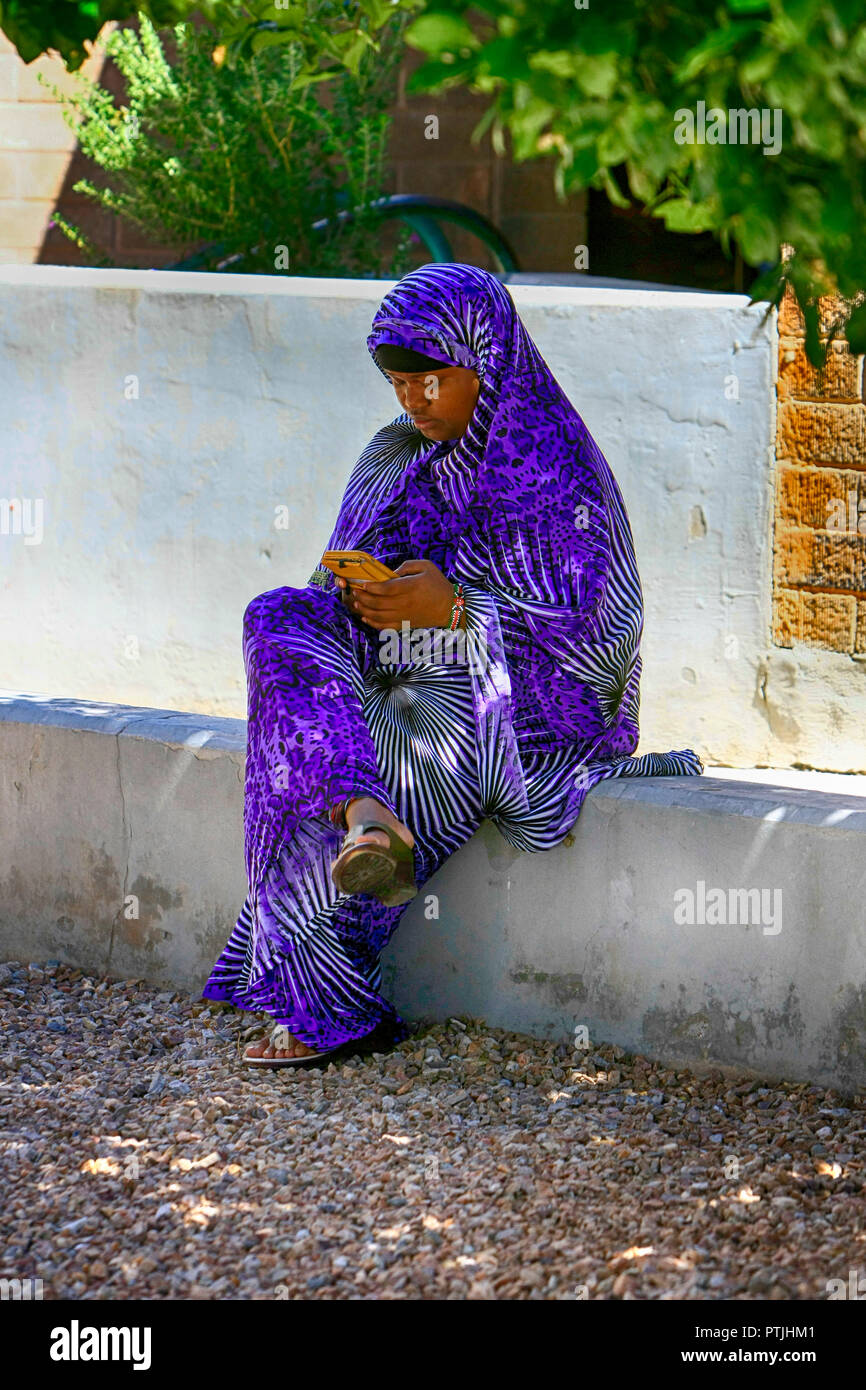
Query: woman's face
[440, 400]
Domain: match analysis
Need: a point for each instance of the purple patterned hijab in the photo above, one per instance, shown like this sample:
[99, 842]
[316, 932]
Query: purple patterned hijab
[524, 509]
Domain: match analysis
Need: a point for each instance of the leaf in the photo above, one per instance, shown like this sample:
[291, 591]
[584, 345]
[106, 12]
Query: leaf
[813, 345]
[641, 182]
[612, 146]
[717, 44]
[838, 215]
[377, 11]
[353, 52]
[581, 170]
[433, 75]
[287, 16]
[506, 58]
[560, 63]
[855, 330]
[769, 286]
[681, 215]
[437, 33]
[272, 38]
[597, 75]
[761, 65]
[819, 132]
[757, 235]
[611, 188]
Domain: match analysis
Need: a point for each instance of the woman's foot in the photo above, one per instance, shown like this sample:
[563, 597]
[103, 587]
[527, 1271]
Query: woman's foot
[366, 808]
[288, 1046]
[377, 855]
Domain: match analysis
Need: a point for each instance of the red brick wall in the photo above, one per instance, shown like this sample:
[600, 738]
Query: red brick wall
[819, 586]
[518, 198]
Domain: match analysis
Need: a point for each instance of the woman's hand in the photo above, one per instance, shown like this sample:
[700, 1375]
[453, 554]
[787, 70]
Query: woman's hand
[420, 595]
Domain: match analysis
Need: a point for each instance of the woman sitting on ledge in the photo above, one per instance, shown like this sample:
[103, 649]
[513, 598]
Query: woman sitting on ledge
[367, 764]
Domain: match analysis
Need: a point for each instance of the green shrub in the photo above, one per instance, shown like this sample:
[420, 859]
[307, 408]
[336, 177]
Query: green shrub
[248, 151]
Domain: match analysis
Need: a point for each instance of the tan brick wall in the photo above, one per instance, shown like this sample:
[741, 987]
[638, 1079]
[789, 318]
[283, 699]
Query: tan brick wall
[36, 147]
[819, 552]
[39, 166]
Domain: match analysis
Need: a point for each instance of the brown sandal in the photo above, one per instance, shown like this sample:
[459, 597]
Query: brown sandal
[386, 872]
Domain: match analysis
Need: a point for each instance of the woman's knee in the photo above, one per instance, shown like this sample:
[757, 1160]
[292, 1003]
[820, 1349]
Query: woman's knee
[270, 609]
[287, 609]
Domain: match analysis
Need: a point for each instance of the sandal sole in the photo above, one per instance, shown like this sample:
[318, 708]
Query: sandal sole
[365, 871]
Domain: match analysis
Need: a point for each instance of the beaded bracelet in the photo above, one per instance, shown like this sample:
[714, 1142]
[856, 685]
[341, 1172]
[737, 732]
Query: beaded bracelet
[457, 608]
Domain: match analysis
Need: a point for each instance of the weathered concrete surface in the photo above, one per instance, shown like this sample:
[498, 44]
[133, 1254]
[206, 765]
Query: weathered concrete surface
[122, 844]
[588, 936]
[164, 419]
[112, 810]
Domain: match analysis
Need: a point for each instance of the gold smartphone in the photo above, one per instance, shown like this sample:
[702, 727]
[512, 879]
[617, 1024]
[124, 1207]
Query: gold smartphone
[356, 566]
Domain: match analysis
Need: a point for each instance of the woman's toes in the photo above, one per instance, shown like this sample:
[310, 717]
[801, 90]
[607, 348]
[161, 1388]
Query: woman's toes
[264, 1048]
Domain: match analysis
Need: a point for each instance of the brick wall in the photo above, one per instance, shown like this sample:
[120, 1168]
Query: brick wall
[518, 198]
[819, 582]
[39, 165]
[36, 147]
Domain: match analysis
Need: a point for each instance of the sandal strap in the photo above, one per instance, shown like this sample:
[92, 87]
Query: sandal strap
[358, 831]
[396, 844]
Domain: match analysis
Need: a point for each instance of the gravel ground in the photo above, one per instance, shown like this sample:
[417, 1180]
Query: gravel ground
[140, 1160]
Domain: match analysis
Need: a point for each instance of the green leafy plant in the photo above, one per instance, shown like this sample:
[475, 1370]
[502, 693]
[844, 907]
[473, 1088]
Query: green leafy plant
[601, 86]
[242, 142]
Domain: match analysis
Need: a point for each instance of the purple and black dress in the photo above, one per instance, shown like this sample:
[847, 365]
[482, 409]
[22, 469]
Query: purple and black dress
[538, 704]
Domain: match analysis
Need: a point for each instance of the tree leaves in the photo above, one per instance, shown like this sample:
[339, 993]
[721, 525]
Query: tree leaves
[601, 94]
[35, 27]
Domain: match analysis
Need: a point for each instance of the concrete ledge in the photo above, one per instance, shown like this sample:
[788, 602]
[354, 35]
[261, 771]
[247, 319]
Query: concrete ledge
[122, 852]
[111, 811]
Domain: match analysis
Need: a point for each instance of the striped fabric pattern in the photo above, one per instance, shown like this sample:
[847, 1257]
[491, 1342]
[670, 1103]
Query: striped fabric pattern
[542, 705]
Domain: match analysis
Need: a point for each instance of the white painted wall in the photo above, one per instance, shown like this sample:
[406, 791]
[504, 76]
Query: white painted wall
[158, 512]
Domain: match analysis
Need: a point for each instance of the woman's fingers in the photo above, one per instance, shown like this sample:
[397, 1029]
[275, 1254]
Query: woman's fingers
[379, 597]
[384, 612]
[416, 567]
[378, 606]
[414, 596]
[383, 619]
[382, 588]
[380, 624]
